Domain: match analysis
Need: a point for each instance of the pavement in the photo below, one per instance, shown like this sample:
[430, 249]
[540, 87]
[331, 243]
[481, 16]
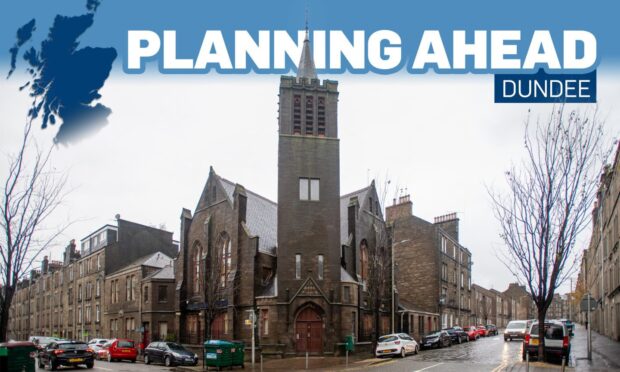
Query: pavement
[605, 352]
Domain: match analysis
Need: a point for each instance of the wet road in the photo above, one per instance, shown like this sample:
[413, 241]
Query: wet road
[486, 354]
[104, 366]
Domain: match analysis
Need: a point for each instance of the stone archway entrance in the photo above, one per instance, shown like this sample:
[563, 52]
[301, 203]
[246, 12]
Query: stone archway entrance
[309, 331]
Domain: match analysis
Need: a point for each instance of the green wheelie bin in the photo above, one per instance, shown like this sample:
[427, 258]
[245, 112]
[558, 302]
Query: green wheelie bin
[218, 353]
[17, 356]
[238, 354]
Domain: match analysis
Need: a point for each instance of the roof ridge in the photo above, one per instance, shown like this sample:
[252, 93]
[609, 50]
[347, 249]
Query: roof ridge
[355, 192]
[248, 190]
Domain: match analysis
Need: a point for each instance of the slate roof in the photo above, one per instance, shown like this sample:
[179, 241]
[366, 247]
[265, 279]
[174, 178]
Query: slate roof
[344, 216]
[157, 259]
[261, 217]
[345, 276]
[165, 273]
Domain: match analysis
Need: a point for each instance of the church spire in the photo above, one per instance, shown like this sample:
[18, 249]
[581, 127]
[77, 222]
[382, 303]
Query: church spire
[306, 69]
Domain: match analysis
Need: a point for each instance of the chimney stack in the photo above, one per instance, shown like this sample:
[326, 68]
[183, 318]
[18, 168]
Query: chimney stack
[402, 209]
[45, 264]
[450, 223]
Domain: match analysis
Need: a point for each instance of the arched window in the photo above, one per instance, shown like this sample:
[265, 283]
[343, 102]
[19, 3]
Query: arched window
[196, 267]
[225, 257]
[364, 260]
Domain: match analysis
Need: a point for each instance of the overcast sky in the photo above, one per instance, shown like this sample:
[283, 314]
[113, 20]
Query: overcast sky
[441, 137]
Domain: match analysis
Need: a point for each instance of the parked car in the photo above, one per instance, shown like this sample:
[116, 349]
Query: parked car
[557, 340]
[122, 349]
[436, 339]
[472, 332]
[457, 335]
[97, 343]
[491, 330]
[169, 353]
[102, 353]
[66, 353]
[482, 330]
[42, 341]
[515, 329]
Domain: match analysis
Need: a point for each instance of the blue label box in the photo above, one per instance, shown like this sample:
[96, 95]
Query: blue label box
[545, 88]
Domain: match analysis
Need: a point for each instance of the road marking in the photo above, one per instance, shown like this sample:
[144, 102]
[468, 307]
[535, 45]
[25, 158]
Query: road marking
[105, 369]
[429, 367]
[500, 367]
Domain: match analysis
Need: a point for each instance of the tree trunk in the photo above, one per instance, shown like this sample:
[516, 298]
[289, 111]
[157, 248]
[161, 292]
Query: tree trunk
[541, 335]
[4, 312]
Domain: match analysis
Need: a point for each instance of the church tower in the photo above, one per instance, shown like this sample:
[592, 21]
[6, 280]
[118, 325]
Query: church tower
[308, 268]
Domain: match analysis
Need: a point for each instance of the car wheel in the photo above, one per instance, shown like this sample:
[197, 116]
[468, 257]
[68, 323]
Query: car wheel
[53, 366]
[459, 340]
[167, 362]
[133, 360]
[90, 365]
[147, 360]
[417, 349]
[403, 353]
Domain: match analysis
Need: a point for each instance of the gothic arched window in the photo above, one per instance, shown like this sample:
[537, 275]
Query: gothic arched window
[364, 260]
[196, 260]
[224, 248]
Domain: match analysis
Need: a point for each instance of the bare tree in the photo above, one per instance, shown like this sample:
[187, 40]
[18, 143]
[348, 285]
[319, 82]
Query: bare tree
[217, 283]
[31, 193]
[379, 284]
[548, 202]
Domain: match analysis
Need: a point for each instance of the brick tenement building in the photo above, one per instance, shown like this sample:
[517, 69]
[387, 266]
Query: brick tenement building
[524, 306]
[303, 265]
[140, 300]
[600, 265]
[67, 299]
[436, 290]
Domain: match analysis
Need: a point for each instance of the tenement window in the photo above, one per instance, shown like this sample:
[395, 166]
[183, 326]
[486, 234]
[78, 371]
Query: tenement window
[162, 293]
[319, 259]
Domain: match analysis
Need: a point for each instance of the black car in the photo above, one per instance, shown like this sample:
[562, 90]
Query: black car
[169, 353]
[436, 339]
[457, 334]
[66, 353]
[491, 330]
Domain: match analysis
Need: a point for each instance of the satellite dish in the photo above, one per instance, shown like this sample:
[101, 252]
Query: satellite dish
[117, 216]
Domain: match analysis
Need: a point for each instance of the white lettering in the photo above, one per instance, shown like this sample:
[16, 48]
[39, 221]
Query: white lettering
[431, 39]
[135, 51]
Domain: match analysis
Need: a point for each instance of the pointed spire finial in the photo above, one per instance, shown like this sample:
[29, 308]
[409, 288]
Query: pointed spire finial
[306, 68]
[306, 19]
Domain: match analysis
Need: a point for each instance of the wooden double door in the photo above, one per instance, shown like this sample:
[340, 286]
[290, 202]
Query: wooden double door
[309, 331]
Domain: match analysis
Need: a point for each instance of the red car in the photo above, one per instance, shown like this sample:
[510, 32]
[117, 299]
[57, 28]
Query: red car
[472, 332]
[121, 349]
[482, 330]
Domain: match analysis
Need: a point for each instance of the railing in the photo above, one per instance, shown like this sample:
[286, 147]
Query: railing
[191, 338]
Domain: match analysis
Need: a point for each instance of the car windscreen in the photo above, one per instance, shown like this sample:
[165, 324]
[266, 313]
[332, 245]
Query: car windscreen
[513, 325]
[125, 344]
[552, 331]
[435, 334]
[72, 346]
[387, 338]
[174, 346]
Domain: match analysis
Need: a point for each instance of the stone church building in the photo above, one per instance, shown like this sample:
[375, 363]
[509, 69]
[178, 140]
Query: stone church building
[301, 264]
